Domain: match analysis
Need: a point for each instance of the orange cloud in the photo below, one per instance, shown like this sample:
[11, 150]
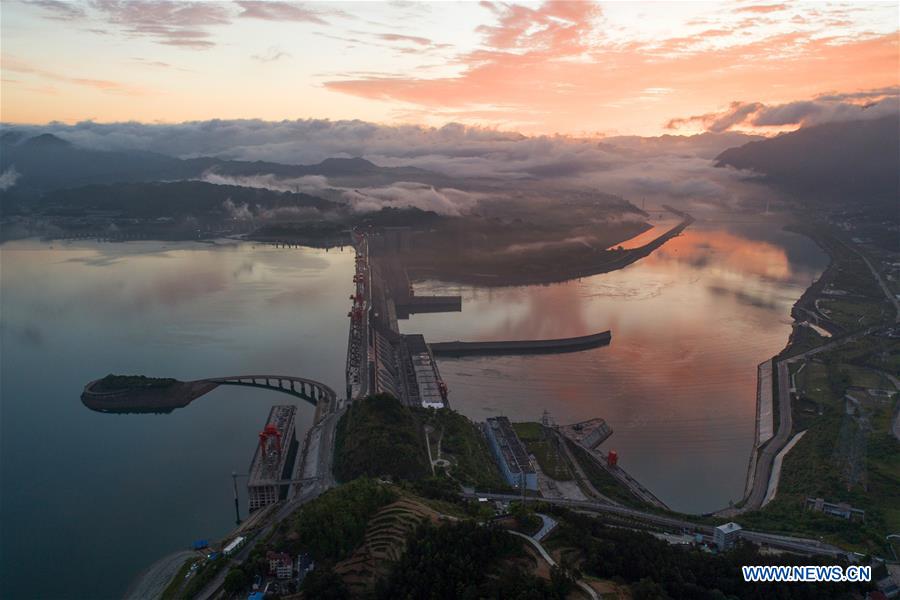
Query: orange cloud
[553, 67]
[105, 85]
[763, 8]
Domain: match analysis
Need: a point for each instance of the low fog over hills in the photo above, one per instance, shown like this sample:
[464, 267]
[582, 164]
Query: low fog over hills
[833, 162]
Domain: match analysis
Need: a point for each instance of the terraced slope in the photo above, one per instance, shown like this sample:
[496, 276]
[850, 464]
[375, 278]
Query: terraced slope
[384, 543]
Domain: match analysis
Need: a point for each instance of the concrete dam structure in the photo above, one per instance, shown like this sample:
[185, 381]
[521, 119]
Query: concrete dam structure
[572, 344]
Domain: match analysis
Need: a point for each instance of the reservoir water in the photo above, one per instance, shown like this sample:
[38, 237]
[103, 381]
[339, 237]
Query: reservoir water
[677, 384]
[102, 496]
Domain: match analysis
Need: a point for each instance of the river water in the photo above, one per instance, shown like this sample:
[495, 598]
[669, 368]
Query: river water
[100, 496]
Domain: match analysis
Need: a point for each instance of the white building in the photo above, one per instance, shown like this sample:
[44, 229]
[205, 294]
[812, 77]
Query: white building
[234, 545]
[726, 535]
[280, 564]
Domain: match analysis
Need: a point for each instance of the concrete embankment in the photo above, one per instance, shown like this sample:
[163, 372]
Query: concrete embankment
[573, 344]
[410, 305]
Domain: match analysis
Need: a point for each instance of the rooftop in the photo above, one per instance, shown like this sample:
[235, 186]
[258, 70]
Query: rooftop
[510, 445]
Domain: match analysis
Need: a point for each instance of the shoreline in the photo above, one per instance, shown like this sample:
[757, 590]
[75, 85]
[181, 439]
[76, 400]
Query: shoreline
[614, 260]
[777, 361]
[795, 324]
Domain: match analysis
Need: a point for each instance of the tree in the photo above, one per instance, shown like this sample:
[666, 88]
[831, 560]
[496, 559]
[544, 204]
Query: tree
[324, 584]
[647, 589]
[524, 515]
[235, 581]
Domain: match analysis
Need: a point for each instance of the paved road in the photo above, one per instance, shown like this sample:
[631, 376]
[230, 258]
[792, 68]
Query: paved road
[547, 525]
[787, 542]
[546, 556]
[154, 581]
[766, 458]
[785, 422]
[881, 282]
[582, 476]
[326, 451]
[306, 492]
[895, 428]
[776, 467]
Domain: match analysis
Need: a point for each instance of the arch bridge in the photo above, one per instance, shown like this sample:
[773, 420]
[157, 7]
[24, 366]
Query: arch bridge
[181, 393]
[314, 392]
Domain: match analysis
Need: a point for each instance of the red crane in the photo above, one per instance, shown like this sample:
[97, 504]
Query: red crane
[266, 437]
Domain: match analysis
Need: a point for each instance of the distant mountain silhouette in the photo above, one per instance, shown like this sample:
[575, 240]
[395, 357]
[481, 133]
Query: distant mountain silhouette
[174, 199]
[46, 141]
[851, 161]
[47, 162]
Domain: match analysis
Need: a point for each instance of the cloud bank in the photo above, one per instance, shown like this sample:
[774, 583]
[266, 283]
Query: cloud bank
[853, 106]
[472, 165]
[401, 194]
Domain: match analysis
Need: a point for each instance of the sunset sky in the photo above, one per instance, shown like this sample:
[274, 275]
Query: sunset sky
[575, 68]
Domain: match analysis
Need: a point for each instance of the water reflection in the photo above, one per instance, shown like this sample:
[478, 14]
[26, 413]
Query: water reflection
[689, 323]
[120, 491]
[678, 383]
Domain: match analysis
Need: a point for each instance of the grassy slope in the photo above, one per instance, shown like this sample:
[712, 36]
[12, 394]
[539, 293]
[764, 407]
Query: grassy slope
[380, 437]
[604, 482]
[842, 458]
[465, 447]
[550, 458]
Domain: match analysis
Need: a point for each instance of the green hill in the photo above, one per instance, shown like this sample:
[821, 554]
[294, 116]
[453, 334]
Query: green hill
[379, 437]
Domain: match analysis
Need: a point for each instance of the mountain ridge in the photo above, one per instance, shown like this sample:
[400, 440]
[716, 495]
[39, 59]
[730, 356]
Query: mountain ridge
[833, 162]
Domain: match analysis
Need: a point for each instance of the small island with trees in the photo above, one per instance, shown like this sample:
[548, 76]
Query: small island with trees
[138, 393]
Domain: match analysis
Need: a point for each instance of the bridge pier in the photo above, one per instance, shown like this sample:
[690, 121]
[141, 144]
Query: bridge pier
[310, 391]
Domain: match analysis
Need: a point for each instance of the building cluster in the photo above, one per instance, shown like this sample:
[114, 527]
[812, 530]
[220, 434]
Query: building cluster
[835, 509]
[285, 573]
[280, 564]
[510, 453]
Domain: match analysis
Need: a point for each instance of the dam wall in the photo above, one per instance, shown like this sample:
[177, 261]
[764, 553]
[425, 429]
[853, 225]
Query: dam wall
[411, 305]
[572, 344]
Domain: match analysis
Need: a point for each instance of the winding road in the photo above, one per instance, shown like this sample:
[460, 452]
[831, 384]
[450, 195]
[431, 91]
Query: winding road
[802, 545]
[546, 556]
